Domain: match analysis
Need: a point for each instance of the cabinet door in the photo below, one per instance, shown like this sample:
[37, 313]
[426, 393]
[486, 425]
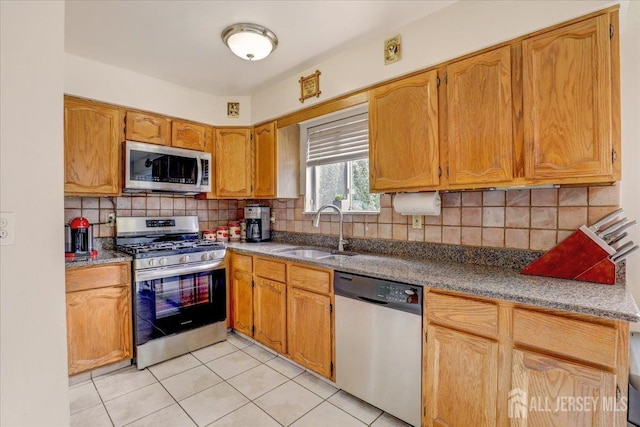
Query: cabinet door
[242, 290]
[149, 128]
[567, 102]
[309, 334]
[233, 162]
[92, 136]
[462, 379]
[266, 160]
[188, 135]
[270, 313]
[403, 134]
[546, 392]
[98, 327]
[480, 119]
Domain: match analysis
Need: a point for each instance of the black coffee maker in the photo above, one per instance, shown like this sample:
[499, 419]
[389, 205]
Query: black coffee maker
[78, 240]
[258, 219]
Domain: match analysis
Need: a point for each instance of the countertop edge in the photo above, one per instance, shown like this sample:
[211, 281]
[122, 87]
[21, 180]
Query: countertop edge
[629, 313]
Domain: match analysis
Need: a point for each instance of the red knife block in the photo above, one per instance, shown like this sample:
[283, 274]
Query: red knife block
[581, 256]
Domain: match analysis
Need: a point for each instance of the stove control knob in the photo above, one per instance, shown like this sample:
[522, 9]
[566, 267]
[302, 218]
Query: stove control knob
[184, 258]
[152, 262]
[163, 261]
[205, 257]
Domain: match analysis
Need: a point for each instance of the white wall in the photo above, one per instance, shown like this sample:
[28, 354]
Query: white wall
[95, 80]
[630, 99]
[33, 350]
[462, 28]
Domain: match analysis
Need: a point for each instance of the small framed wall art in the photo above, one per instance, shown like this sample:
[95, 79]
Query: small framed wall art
[392, 50]
[233, 110]
[310, 86]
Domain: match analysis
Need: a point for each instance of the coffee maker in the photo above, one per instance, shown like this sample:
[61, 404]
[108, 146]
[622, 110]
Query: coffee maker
[78, 240]
[258, 219]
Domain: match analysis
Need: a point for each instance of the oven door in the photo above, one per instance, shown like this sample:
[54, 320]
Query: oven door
[172, 300]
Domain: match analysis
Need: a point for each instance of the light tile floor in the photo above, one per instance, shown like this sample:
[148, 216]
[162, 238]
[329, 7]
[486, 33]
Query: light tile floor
[233, 383]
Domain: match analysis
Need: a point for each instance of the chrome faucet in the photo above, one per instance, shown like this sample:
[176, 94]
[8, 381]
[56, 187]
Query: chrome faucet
[316, 222]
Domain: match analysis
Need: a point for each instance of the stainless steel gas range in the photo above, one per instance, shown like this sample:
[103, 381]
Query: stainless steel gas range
[179, 291]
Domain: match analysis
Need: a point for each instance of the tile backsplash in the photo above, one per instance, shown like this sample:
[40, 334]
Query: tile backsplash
[534, 219]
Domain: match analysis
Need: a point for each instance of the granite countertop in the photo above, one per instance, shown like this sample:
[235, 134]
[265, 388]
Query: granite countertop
[105, 256]
[608, 301]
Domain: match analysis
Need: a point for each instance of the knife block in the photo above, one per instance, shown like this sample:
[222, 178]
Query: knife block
[581, 256]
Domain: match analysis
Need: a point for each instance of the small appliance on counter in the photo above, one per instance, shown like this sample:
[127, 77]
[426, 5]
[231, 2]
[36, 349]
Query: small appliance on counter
[258, 219]
[78, 240]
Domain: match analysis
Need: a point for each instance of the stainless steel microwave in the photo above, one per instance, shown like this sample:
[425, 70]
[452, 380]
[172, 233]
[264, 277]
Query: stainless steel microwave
[156, 168]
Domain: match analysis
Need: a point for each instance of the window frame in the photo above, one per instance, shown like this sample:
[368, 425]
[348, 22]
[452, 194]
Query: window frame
[305, 174]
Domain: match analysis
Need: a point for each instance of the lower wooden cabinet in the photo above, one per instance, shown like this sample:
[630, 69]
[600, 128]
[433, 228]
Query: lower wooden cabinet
[98, 316]
[285, 306]
[270, 313]
[490, 362]
[549, 391]
[462, 373]
[259, 303]
[242, 295]
[310, 337]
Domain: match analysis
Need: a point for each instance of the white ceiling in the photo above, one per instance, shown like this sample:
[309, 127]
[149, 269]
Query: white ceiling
[179, 40]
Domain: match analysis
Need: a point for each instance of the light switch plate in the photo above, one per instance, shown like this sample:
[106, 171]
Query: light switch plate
[7, 228]
[416, 221]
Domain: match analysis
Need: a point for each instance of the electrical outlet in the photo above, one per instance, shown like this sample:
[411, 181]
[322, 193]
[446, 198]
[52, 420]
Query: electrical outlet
[416, 221]
[111, 219]
[7, 228]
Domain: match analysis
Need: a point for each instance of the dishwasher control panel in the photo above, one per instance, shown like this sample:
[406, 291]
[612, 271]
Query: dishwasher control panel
[397, 292]
[396, 295]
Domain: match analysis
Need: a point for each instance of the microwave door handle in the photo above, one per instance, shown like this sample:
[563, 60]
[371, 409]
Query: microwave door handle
[199, 179]
[163, 273]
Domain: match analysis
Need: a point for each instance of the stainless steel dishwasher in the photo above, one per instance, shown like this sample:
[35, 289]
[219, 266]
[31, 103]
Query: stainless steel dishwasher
[378, 329]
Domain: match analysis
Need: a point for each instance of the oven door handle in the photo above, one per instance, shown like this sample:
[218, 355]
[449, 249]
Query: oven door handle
[161, 273]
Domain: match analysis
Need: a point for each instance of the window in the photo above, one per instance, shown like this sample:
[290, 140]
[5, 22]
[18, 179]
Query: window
[336, 158]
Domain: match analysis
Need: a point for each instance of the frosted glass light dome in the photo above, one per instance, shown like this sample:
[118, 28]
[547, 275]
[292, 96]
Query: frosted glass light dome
[252, 42]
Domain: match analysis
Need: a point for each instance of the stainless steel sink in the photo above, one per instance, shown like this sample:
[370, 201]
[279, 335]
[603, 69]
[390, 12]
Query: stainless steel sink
[316, 253]
[307, 253]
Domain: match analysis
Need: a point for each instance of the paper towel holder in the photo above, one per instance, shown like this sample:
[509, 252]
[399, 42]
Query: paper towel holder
[422, 203]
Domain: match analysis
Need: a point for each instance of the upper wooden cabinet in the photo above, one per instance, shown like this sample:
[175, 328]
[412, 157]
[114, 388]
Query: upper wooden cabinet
[266, 156]
[146, 127]
[161, 130]
[277, 161]
[403, 134]
[93, 133]
[188, 135]
[568, 103]
[479, 120]
[233, 162]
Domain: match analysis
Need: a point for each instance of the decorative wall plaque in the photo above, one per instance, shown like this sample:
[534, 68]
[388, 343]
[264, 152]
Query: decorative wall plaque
[310, 86]
[233, 110]
[392, 51]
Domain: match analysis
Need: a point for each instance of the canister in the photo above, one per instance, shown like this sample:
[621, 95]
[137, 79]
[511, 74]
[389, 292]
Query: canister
[234, 231]
[222, 235]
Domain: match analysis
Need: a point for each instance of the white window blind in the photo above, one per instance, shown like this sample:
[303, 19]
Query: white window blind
[338, 141]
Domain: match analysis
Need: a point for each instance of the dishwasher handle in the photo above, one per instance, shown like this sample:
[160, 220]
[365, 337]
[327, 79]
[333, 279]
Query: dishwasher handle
[371, 300]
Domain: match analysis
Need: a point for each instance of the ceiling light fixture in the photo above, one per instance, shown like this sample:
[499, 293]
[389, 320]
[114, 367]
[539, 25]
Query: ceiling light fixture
[252, 42]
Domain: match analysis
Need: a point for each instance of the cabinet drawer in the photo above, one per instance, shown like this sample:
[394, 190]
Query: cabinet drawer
[242, 262]
[574, 338]
[273, 270]
[310, 279]
[469, 315]
[99, 276]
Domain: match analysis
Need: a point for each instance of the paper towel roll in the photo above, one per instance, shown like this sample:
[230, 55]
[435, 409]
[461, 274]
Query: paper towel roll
[417, 203]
